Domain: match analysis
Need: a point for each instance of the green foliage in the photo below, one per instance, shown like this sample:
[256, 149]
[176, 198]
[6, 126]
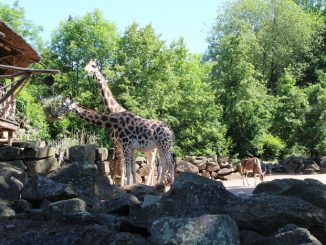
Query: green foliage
[291, 108]
[273, 147]
[32, 116]
[280, 31]
[314, 129]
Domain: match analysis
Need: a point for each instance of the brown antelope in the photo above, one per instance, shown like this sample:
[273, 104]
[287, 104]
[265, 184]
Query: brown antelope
[251, 165]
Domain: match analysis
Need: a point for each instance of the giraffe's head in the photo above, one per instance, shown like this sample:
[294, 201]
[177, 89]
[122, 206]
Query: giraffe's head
[91, 67]
[67, 105]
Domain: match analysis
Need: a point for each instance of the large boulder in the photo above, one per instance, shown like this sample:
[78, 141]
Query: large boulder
[119, 204]
[41, 166]
[289, 234]
[6, 211]
[105, 189]
[310, 190]
[80, 175]
[185, 166]
[39, 188]
[12, 180]
[82, 153]
[206, 229]
[38, 153]
[265, 213]
[9, 153]
[29, 144]
[189, 196]
[17, 164]
[62, 209]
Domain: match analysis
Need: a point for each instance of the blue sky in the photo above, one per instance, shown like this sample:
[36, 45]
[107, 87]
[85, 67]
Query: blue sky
[191, 19]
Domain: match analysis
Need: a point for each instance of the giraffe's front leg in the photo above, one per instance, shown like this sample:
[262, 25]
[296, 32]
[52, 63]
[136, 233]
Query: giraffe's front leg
[123, 171]
[133, 166]
[127, 156]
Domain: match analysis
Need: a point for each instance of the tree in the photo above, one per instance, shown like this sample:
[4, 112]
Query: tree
[73, 44]
[291, 108]
[282, 31]
[314, 128]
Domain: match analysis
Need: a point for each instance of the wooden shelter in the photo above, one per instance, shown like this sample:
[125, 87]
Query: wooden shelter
[15, 56]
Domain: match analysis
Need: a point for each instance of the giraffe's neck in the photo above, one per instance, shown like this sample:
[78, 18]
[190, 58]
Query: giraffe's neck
[100, 119]
[111, 105]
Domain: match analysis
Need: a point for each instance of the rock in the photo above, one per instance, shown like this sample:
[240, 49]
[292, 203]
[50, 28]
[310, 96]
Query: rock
[224, 164]
[267, 213]
[17, 164]
[289, 234]
[82, 153]
[225, 171]
[41, 167]
[223, 159]
[10, 153]
[29, 144]
[60, 209]
[213, 166]
[204, 173]
[103, 167]
[201, 164]
[214, 175]
[185, 166]
[101, 154]
[119, 204]
[309, 171]
[12, 181]
[80, 175]
[22, 206]
[38, 153]
[102, 235]
[189, 196]
[39, 188]
[6, 211]
[293, 165]
[105, 189]
[277, 185]
[206, 229]
[309, 163]
[189, 159]
[312, 191]
[322, 170]
[112, 222]
[141, 190]
[149, 200]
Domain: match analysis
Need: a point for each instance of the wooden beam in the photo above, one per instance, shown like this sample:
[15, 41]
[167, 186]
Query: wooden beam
[7, 125]
[29, 70]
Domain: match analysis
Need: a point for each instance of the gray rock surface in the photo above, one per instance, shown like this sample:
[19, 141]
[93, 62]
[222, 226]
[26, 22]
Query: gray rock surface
[203, 230]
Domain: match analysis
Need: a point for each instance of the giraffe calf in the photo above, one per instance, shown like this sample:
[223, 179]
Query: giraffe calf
[251, 165]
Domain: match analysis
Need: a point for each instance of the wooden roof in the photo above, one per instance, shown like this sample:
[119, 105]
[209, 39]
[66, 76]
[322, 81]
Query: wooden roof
[14, 50]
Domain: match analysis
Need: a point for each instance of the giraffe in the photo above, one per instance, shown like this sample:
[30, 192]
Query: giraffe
[134, 133]
[112, 106]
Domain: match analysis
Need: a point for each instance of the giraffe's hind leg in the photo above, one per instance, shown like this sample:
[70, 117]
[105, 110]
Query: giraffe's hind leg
[150, 155]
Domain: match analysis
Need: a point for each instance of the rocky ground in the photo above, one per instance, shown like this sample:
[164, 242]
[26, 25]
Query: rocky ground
[44, 202]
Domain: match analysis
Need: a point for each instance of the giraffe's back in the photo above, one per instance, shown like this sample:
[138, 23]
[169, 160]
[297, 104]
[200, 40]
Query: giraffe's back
[141, 133]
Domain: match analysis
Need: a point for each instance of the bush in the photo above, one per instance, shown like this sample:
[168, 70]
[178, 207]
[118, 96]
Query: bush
[31, 116]
[272, 146]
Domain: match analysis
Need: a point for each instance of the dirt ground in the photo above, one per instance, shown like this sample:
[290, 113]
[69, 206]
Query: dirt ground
[234, 184]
